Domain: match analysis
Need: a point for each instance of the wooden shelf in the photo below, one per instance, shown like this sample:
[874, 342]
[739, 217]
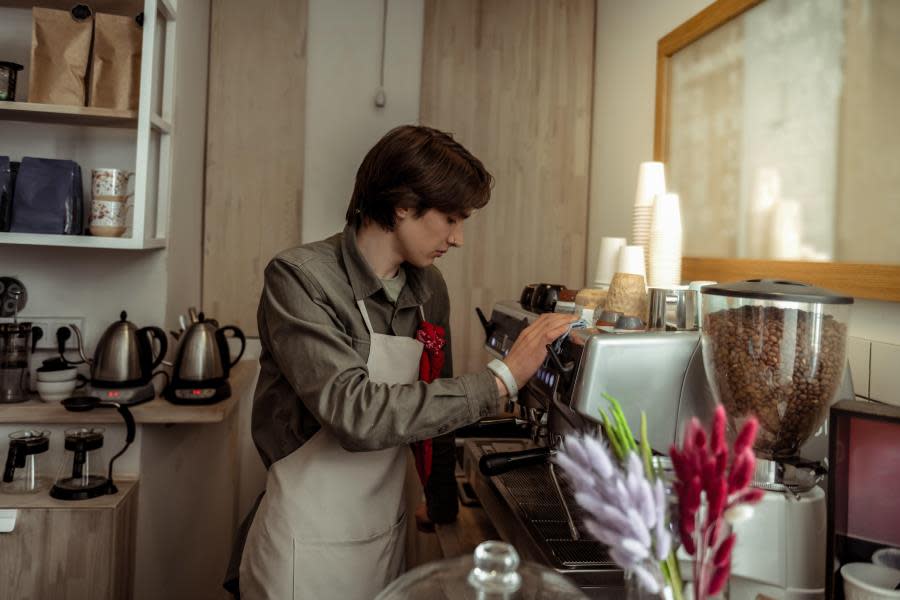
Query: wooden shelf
[80, 241]
[158, 411]
[127, 8]
[62, 114]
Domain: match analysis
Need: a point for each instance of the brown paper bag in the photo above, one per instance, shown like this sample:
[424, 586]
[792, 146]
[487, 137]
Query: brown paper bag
[115, 63]
[60, 49]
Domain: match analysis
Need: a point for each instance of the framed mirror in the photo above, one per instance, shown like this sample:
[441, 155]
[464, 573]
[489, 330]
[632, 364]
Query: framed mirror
[778, 125]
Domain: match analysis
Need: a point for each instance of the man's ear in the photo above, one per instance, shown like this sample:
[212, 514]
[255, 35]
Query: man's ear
[402, 213]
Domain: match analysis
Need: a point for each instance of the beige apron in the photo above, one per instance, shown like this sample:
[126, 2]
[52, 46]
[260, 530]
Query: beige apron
[332, 523]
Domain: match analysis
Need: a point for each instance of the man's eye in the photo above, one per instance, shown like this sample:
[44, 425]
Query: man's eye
[451, 220]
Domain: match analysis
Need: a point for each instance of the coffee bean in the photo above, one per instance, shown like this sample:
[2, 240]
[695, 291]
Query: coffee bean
[781, 365]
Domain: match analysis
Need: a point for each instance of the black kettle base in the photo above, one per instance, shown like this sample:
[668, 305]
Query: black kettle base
[183, 393]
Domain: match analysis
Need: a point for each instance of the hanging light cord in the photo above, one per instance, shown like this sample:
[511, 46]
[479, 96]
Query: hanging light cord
[380, 99]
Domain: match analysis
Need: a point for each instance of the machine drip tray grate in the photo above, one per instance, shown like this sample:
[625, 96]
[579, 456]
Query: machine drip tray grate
[531, 489]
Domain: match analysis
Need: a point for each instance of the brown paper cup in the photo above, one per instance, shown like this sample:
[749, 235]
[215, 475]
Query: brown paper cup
[627, 295]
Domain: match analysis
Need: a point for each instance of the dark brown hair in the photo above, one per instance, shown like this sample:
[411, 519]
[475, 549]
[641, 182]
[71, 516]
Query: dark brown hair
[421, 168]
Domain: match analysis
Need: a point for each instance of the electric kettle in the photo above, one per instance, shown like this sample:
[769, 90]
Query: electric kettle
[203, 363]
[124, 355]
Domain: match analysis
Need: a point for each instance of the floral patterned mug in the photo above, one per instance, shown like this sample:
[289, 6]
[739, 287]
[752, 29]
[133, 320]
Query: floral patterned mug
[110, 183]
[108, 217]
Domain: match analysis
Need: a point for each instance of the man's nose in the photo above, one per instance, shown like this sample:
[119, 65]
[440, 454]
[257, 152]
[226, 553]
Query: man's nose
[456, 236]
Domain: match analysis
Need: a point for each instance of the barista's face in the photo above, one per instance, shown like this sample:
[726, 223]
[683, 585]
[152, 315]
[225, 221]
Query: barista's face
[423, 239]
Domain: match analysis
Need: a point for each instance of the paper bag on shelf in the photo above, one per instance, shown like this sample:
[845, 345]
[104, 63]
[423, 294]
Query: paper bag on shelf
[60, 50]
[115, 63]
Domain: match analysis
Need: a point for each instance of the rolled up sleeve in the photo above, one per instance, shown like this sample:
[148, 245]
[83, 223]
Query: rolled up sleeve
[325, 367]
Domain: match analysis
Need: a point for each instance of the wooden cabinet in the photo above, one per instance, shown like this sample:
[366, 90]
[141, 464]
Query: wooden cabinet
[69, 550]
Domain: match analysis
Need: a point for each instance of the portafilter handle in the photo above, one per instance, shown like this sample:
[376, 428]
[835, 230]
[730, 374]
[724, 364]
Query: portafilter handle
[498, 463]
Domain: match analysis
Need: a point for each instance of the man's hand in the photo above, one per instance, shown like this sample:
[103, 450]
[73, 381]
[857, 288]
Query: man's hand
[530, 348]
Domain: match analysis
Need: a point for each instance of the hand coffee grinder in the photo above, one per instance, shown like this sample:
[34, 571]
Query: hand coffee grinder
[776, 350]
[78, 480]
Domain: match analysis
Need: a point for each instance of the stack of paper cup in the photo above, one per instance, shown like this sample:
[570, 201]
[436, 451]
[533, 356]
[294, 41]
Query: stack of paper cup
[651, 183]
[608, 260]
[632, 261]
[664, 262]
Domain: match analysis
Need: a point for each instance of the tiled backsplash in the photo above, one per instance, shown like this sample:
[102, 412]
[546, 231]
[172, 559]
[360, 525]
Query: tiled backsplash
[876, 370]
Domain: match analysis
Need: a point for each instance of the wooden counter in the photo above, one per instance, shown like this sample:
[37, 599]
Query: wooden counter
[43, 499]
[157, 411]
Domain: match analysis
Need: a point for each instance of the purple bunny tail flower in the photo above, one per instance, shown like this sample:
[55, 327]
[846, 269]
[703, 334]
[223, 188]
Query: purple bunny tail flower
[599, 457]
[646, 579]
[579, 474]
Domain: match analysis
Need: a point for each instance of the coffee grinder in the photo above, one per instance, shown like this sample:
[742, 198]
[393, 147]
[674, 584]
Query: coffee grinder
[79, 479]
[776, 350]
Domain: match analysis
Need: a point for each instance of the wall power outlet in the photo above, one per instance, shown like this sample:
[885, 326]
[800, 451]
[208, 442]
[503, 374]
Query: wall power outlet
[50, 325]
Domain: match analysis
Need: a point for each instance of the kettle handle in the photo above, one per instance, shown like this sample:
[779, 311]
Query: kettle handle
[223, 343]
[159, 334]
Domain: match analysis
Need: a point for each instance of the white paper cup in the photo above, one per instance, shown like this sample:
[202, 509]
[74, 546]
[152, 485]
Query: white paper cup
[608, 260]
[651, 182]
[631, 260]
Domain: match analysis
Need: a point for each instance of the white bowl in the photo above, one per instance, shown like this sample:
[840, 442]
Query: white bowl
[865, 581]
[59, 375]
[887, 557]
[51, 391]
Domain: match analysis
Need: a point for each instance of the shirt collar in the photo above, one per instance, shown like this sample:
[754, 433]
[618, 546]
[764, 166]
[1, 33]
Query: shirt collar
[364, 281]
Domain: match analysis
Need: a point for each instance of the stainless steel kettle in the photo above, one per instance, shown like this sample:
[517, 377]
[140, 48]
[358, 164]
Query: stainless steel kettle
[203, 357]
[124, 355]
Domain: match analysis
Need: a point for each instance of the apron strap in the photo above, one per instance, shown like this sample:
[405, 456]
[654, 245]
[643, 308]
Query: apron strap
[365, 315]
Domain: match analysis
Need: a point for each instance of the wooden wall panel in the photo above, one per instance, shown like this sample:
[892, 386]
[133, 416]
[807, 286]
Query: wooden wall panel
[254, 149]
[513, 81]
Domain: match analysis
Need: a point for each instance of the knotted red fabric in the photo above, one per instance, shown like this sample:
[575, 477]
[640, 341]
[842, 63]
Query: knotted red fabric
[433, 337]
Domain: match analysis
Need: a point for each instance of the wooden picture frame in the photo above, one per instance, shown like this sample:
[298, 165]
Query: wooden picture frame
[869, 281]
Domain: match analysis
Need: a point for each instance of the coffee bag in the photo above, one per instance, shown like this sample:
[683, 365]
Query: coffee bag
[115, 63]
[60, 50]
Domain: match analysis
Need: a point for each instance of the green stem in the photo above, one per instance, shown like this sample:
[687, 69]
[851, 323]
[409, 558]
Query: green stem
[645, 449]
[672, 571]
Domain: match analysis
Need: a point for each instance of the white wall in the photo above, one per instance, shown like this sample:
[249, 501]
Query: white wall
[624, 97]
[342, 122]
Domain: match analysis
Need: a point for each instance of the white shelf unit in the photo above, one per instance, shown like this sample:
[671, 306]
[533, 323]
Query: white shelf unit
[84, 134]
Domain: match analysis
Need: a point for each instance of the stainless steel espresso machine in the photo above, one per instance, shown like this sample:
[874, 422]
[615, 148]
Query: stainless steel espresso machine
[661, 373]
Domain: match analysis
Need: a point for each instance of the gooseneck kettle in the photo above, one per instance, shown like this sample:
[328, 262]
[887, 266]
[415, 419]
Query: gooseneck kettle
[200, 374]
[124, 355]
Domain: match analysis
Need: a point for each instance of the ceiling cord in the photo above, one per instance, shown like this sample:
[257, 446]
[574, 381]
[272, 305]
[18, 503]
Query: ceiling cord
[380, 98]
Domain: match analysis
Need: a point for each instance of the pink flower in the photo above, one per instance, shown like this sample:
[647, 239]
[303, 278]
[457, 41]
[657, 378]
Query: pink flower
[702, 466]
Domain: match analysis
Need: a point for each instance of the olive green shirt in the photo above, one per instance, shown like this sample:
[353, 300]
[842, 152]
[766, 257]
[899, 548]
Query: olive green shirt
[315, 346]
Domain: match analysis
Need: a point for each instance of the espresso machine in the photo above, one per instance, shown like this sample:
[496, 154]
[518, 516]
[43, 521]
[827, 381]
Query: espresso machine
[663, 372]
[527, 501]
[773, 350]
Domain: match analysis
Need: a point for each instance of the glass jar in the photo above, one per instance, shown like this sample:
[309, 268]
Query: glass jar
[775, 350]
[494, 572]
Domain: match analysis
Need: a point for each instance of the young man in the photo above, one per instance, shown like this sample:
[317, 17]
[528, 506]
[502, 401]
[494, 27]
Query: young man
[339, 398]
